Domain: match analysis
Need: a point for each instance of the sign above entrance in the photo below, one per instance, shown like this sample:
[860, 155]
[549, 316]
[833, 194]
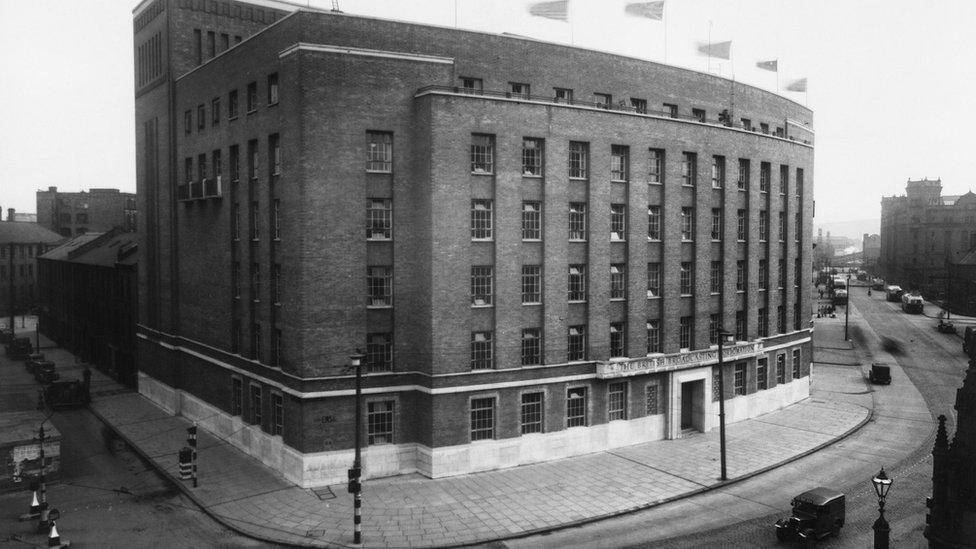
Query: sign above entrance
[676, 361]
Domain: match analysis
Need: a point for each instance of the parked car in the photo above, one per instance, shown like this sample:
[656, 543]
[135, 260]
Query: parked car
[816, 514]
[969, 341]
[945, 326]
[31, 360]
[19, 348]
[66, 394]
[880, 373]
[878, 285]
[45, 373]
[6, 336]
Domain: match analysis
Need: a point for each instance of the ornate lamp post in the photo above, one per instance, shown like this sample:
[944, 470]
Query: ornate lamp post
[722, 336]
[881, 529]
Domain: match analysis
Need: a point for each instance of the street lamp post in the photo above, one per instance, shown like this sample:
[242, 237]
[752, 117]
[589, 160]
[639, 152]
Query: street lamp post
[355, 474]
[881, 529]
[722, 334]
[847, 307]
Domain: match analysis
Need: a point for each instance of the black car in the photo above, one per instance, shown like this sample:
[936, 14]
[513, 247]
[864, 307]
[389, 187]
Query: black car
[880, 374]
[816, 514]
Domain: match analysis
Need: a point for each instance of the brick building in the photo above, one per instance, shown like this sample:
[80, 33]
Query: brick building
[922, 233]
[871, 251]
[88, 289]
[20, 245]
[535, 248]
[100, 210]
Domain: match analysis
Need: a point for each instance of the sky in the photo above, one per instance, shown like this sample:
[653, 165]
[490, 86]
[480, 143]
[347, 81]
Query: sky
[890, 82]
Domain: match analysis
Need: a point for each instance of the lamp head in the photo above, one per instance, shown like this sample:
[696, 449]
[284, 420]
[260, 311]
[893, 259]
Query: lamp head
[355, 359]
[881, 484]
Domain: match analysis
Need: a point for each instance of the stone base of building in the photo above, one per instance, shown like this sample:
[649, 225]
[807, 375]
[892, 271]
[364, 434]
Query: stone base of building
[327, 468]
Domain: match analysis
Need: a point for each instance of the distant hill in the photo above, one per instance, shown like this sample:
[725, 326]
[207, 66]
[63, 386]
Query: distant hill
[854, 229]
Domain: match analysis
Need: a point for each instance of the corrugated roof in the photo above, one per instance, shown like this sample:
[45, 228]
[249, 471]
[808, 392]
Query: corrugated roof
[105, 249]
[22, 232]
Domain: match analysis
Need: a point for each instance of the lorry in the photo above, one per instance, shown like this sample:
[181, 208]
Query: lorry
[893, 293]
[912, 303]
[816, 514]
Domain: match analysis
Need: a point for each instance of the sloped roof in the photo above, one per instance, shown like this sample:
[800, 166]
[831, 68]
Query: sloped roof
[105, 249]
[968, 259]
[23, 232]
[61, 252]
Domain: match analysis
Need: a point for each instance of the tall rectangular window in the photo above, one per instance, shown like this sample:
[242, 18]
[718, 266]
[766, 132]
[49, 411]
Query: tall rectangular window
[618, 222]
[277, 414]
[781, 226]
[481, 351]
[740, 276]
[577, 221]
[187, 121]
[379, 422]
[618, 281]
[799, 182]
[618, 339]
[784, 178]
[482, 154]
[234, 163]
[653, 336]
[252, 97]
[743, 181]
[652, 398]
[716, 224]
[653, 280]
[276, 219]
[780, 369]
[379, 284]
[763, 322]
[576, 343]
[780, 319]
[713, 328]
[617, 400]
[763, 275]
[576, 407]
[379, 352]
[379, 219]
[482, 418]
[718, 172]
[739, 379]
[765, 170]
[684, 332]
[276, 283]
[256, 404]
[619, 162]
[578, 159]
[687, 224]
[274, 152]
[532, 150]
[201, 117]
[379, 152]
[530, 412]
[211, 44]
[577, 283]
[255, 215]
[272, 88]
[796, 364]
[781, 272]
[656, 166]
[685, 278]
[198, 45]
[715, 278]
[531, 347]
[215, 111]
[654, 222]
[740, 326]
[689, 168]
[481, 220]
[763, 225]
[740, 225]
[232, 105]
[762, 374]
[798, 226]
[236, 396]
[532, 221]
[481, 285]
[531, 284]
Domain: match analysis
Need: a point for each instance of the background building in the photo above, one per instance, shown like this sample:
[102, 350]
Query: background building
[535, 248]
[922, 233]
[72, 214]
[871, 251]
[20, 244]
[88, 291]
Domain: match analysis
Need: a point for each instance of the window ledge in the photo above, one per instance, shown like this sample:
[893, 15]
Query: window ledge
[379, 306]
[576, 301]
[578, 178]
[618, 299]
[378, 171]
[531, 240]
[531, 176]
[577, 240]
[653, 297]
[482, 173]
[654, 183]
[618, 181]
[373, 239]
[482, 240]
[485, 306]
[650, 239]
[272, 104]
[232, 118]
[532, 303]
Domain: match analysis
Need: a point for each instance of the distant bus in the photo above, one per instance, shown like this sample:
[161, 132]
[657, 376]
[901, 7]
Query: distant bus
[893, 293]
[839, 283]
[911, 303]
[840, 296]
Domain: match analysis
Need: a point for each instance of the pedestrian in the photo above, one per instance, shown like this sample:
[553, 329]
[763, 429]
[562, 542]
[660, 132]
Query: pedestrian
[821, 292]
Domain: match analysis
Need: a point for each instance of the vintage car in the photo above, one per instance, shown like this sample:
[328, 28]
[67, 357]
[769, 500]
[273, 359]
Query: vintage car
[44, 372]
[19, 348]
[32, 359]
[816, 514]
[945, 326]
[66, 394]
[880, 373]
[878, 285]
[969, 341]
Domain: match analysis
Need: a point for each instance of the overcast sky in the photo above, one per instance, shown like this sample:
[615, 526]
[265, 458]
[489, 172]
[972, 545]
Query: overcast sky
[890, 82]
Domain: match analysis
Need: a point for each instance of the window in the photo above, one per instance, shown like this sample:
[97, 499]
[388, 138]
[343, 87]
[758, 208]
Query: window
[274, 153]
[713, 329]
[379, 219]
[276, 283]
[619, 162]
[618, 281]
[740, 225]
[531, 412]
[576, 407]
[799, 182]
[782, 226]
[718, 172]
[798, 229]
[617, 401]
[481, 285]
[531, 284]
[780, 319]
[740, 326]
[654, 222]
[656, 170]
[653, 336]
[201, 117]
[519, 90]
[577, 221]
[277, 414]
[639, 105]
[236, 396]
[255, 213]
[531, 221]
[482, 418]
[743, 182]
[482, 153]
[235, 163]
[218, 164]
[796, 272]
[532, 157]
[215, 111]
[763, 322]
[602, 100]
[747, 124]
[563, 95]
[198, 42]
[272, 88]
[764, 176]
[252, 159]
[576, 343]
[379, 284]
[531, 347]
[578, 155]
[652, 398]
[201, 168]
[379, 352]
[715, 278]
[481, 358]
[653, 280]
[252, 97]
[784, 178]
[232, 105]
[685, 278]
[471, 85]
[224, 41]
[687, 224]
[379, 422]
[481, 219]
[577, 283]
[618, 222]
[689, 169]
[796, 364]
[764, 127]
[762, 374]
[80, 218]
[276, 348]
[671, 110]
[256, 404]
[763, 225]
[739, 379]
[698, 114]
[780, 369]
[740, 276]
[211, 44]
[379, 152]
[684, 332]
[763, 275]
[716, 224]
[781, 272]
[618, 339]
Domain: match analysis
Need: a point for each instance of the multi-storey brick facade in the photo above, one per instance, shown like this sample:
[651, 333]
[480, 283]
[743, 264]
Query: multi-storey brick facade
[20, 245]
[922, 233]
[535, 248]
[99, 210]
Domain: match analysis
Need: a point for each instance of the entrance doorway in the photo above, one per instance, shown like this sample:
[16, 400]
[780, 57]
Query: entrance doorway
[692, 405]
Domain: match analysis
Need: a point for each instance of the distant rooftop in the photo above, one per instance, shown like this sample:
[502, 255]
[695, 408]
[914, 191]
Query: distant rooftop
[23, 232]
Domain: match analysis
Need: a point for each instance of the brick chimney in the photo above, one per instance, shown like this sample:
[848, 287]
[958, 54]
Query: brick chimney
[10, 214]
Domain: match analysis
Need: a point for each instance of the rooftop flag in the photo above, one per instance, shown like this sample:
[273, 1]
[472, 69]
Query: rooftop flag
[650, 10]
[558, 10]
[721, 50]
[797, 85]
[769, 65]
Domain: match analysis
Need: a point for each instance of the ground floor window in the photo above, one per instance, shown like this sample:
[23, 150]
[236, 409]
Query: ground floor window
[576, 407]
[379, 421]
[531, 412]
[482, 418]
